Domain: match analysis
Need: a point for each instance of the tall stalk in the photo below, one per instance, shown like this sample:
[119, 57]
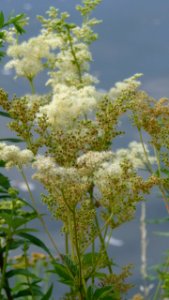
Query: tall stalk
[39, 215]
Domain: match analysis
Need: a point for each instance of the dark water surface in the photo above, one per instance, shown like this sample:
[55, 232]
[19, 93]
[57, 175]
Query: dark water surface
[133, 39]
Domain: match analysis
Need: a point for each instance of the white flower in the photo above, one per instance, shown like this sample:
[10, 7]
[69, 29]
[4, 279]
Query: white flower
[106, 171]
[27, 56]
[47, 168]
[70, 68]
[13, 156]
[135, 153]
[44, 164]
[93, 159]
[68, 104]
[131, 83]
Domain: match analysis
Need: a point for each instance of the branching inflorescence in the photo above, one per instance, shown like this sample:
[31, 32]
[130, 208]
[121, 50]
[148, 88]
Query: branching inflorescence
[69, 136]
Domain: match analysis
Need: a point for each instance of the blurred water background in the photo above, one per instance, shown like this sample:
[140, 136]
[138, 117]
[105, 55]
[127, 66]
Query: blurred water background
[133, 39]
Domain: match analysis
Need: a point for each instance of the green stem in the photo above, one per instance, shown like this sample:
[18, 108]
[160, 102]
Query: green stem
[143, 231]
[39, 215]
[27, 266]
[150, 169]
[102, 241]
[81, 281]
[93, 241]
[4, 281]
[149, 166]
[162, 189]
[103, 244]
[74, 56]
[156, 295]
[67, 243]
[3, 261]
[32, 86]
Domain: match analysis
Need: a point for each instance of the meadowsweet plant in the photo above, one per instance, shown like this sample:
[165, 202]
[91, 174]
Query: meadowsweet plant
[91, 189]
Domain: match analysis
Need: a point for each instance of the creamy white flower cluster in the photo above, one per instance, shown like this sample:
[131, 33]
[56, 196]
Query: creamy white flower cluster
[62, 183]
[100, 165]
[131, 83]
[136, 154]
[14, 156]
[47, 170]
[90, 162]
[68, 104]
[107, 164]
[27, 57]
[66, 69]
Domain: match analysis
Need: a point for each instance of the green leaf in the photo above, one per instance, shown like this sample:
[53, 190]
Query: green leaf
[2, 164]
[90, 293]
[89, 259]
[19, 28]
[103, 293]
[14, 244]
[165, 171]
[23, 272]
[70, 265]
[12, 140]
[19, 221]
[5, 114]
[1, 19]
[26, 230]
[28, 205]
[28, 292]
[48, 294]
[34, 240]
[4, 196]
[6, 215]
[4, 182]
[23, 293]
[63, 274]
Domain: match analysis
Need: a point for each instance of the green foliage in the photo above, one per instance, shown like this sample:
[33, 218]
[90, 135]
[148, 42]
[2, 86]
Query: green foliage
[18, 279]
[17, 22]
